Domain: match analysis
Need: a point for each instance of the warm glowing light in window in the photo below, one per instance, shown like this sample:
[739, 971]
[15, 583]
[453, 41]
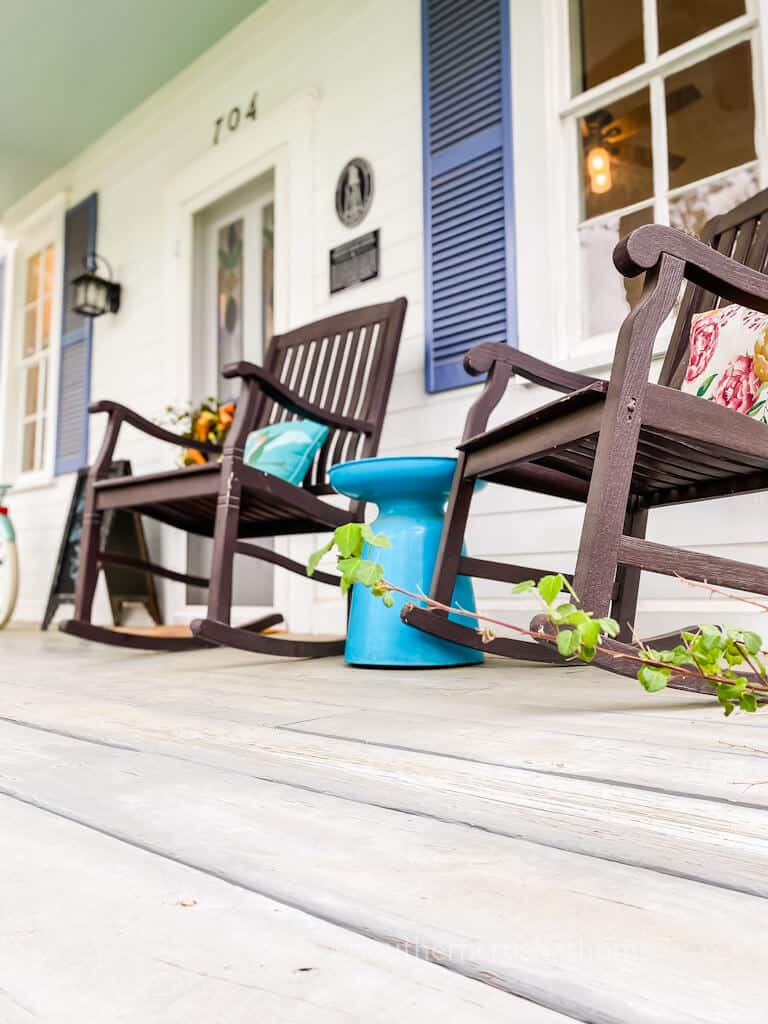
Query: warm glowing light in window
[599, 170]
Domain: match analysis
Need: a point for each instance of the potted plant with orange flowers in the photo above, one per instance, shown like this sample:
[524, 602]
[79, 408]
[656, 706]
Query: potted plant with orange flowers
[208, 421]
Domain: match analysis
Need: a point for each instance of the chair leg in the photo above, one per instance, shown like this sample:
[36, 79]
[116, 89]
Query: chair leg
[223, 559]
[624, 607]
[452, 539]
[88, 571]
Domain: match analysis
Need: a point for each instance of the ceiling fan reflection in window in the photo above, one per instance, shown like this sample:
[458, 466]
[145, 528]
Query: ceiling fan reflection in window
[608, 139]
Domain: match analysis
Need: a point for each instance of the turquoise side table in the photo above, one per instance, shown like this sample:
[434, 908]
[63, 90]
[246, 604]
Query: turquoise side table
[411, 494]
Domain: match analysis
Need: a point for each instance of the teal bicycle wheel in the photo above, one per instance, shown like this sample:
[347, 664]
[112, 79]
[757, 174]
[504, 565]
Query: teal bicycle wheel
[9, 564]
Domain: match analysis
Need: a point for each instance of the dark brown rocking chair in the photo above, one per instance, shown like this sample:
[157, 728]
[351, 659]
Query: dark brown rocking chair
[623, 446]
[337, 371]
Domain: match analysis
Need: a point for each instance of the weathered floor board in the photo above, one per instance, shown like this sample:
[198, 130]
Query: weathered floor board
[94, 930]
[531, 919]
[557, 833]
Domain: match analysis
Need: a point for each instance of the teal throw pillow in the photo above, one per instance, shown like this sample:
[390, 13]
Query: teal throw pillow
[286, 449]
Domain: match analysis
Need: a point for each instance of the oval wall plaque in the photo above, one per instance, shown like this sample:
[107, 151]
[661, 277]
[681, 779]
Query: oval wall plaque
[354, 192]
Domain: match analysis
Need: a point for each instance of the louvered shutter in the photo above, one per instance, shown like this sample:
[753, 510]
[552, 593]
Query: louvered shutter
[469, 215]
[76, 335]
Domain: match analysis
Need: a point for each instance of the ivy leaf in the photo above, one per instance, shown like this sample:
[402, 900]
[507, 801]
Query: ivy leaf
[568, 642]
[653, 679]
[732, 691]
[376, 540]
[589, 632]
[562, 613]
[748, 702]
[752, 641]
[522, 588]
[348, 569]
[609, 626]
[349, 539]
[316, 556]
[368, 573]
[549, 587]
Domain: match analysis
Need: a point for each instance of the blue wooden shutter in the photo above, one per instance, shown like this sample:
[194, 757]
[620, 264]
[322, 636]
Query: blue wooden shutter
[76, 336]
[468, 207]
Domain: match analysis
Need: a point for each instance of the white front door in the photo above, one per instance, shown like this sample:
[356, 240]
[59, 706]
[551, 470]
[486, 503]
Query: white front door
[234, 274]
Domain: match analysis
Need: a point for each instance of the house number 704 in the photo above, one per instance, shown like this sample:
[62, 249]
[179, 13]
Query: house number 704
[233, 119]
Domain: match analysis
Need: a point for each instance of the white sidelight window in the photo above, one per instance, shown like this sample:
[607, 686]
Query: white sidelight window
[34, 353]
[661, 125]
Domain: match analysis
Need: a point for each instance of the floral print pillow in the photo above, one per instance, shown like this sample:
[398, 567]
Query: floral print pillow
[728, 361]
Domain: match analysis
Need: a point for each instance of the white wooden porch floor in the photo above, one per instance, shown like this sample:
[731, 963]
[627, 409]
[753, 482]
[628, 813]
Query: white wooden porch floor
[216, 837]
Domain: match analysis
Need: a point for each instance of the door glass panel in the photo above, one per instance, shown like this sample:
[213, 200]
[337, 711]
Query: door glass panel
[617, 163]
[710, 116]
[230, 295]
[608, 40]
[609, 295]
[267, 273]
[691, 210]
[680, 20]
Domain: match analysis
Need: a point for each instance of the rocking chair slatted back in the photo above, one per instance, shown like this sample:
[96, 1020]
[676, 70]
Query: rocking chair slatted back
[344, 365]
[742, 234]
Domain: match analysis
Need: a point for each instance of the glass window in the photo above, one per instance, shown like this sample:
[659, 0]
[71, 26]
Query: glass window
[710, 116]
[607, 40]
[673, 148]
[681, 20]
[35, 340]
[609, 296]
[230, 293]
[617, 164]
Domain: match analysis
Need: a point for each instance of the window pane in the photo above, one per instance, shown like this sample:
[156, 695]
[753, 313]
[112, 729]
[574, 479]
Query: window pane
[691, 210]
[710, 116]
[48, 272]
[46, 334]
[609, 296]
[617, 166]
[28, 446]
[680, 20]
[607, 39]
[31, 383]
[33, 278]
[30, 331]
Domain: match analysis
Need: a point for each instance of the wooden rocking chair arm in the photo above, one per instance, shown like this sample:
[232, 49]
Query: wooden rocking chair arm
[704, 266]
[482, 358]
[278, 392]
[120, 414]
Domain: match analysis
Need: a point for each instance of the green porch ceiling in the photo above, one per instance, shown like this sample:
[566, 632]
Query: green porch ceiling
[70, 69]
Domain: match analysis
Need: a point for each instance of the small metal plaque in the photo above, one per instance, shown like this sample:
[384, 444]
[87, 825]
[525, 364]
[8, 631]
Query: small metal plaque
[355, 261]
[354, 192]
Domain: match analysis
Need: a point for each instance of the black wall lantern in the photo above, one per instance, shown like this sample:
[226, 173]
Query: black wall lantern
[95, 295]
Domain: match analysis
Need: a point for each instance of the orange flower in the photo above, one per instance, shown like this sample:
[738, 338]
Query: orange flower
[204, 424]
[226, 414]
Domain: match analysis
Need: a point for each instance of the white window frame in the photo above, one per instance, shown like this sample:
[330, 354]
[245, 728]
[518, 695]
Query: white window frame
[573, 348]
[32, 234]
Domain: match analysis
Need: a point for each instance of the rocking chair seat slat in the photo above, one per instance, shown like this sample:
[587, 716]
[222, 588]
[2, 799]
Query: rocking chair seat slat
[720, 451]
[187, 499]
